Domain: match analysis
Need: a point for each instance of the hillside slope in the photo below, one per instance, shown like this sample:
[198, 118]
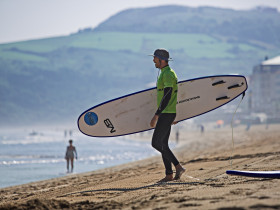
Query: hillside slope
[251, 25]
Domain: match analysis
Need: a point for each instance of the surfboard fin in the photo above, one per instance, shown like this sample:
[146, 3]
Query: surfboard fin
[218, 83]
[222, 98]
[243, 94]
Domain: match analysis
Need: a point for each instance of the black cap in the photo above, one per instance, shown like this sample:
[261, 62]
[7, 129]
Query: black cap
[162, 54]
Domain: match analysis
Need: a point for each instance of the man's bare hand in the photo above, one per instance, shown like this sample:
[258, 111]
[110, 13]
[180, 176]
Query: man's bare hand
[154, 121]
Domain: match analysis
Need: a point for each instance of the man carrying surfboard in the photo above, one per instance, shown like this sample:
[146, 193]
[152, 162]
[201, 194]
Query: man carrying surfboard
[165, 115]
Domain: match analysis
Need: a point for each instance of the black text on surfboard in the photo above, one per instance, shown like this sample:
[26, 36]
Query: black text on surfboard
[188, 99]
[109, 125]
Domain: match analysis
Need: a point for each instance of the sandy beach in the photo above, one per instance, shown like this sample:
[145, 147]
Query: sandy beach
[205, 185]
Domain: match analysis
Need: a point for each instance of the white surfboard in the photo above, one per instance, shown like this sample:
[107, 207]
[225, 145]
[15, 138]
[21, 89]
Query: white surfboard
[132, 113]
[257, 174]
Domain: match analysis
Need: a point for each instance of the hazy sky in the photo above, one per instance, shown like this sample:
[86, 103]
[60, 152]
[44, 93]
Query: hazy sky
[31, 19]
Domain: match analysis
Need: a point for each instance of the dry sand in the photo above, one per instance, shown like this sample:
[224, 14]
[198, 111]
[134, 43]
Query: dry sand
[205, 185]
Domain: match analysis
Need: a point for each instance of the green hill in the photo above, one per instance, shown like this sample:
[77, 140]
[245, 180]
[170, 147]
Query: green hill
[259, 25]
[53, 80]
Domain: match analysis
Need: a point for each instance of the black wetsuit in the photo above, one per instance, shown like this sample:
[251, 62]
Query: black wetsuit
[162, 133]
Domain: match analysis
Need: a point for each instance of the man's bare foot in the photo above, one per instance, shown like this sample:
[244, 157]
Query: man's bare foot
[179, 171]
[167, 178]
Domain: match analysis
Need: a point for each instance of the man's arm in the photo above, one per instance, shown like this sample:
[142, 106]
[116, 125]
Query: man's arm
[163, 104]
[76, 154]
[165, 100]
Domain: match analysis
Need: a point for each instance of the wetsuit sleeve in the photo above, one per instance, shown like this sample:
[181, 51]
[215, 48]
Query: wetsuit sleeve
[165, 100]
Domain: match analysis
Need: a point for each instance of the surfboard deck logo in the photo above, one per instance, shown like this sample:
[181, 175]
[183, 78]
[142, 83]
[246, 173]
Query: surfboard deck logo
[132, 113]
[109, 125]
[91, 118]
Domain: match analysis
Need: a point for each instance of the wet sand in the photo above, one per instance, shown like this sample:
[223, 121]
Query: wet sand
[205, 185]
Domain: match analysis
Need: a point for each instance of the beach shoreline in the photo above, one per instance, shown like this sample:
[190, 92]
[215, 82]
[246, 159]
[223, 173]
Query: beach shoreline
[205, 185]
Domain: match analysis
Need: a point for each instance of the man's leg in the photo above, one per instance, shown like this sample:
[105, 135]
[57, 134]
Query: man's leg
[67, 164]
[160, 141]
[72, 164]
[166, 161]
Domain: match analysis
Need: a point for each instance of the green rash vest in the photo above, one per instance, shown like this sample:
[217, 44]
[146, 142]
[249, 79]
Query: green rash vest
[167, 78]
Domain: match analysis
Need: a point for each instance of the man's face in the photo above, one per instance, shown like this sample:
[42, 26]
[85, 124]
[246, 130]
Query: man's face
[157, 62]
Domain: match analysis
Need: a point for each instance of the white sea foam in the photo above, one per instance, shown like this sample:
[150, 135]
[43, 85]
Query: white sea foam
[25, 158]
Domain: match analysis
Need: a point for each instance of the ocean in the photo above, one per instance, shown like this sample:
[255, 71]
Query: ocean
[27, 155]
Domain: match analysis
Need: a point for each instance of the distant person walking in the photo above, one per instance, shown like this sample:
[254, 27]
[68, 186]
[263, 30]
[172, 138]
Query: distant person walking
[177, 136]
[201, 129]
[70, 154]
[165, 114]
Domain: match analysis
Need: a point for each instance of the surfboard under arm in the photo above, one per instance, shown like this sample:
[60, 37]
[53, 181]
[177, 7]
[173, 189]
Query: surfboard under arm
[132, 113]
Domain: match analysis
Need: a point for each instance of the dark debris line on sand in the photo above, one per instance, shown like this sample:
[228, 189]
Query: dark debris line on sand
[136, 188]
